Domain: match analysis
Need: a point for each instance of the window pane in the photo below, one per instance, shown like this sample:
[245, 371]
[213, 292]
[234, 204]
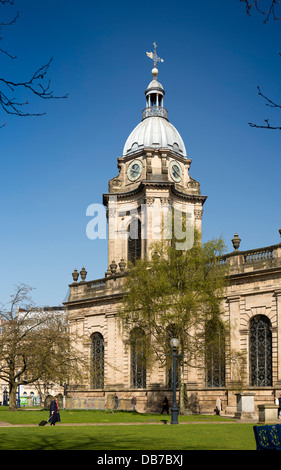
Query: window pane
[260, 352]
[138, 362]
[97, 361]
[215, 354]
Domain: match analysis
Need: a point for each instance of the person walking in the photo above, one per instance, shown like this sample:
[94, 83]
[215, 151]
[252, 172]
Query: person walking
[116, 401]
[165, 406]
[134, 402]
[279, 407]
[54, 412]
[218, 408]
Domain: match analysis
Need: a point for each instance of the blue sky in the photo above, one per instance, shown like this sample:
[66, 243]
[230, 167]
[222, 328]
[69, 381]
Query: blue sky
[53, 167]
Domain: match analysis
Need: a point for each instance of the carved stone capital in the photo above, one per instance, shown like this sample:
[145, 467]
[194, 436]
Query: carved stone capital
[149, 201]
[198, 213]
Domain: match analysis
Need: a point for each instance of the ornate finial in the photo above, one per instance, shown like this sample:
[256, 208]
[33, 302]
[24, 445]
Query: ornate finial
[113, 267]
[83, 274]
[75, 275]
[154, 56]
[236, 242]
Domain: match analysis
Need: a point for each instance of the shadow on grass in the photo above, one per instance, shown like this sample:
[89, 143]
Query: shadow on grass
[150, 437]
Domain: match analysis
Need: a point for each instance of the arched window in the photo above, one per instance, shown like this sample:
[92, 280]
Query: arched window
[260, 352]
[215, 353]
[171, 332]
[138, 361]
[134, 240]
[97, 376]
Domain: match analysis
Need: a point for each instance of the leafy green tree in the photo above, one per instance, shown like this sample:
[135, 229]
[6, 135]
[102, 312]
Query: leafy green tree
[174, 293]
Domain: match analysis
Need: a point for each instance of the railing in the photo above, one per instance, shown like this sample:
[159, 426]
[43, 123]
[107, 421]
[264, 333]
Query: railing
[253, 256]
[155, 111]
[266, 255]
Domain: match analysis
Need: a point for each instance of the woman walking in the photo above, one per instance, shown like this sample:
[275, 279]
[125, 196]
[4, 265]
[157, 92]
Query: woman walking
[54, 412]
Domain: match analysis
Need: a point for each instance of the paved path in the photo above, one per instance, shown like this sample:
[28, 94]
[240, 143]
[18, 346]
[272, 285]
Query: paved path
[233, 421]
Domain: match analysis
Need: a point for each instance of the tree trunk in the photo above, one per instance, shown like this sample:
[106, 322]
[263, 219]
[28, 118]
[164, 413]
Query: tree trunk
[13, 397]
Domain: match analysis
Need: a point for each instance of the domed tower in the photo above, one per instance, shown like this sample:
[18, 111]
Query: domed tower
[153, 179]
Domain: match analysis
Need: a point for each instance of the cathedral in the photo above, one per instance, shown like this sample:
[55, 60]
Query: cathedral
[154, 176]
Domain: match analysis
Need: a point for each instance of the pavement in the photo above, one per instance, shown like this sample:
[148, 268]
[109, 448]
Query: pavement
[227, 421]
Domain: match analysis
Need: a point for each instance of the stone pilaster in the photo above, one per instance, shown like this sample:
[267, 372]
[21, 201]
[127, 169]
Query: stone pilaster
[278, 311]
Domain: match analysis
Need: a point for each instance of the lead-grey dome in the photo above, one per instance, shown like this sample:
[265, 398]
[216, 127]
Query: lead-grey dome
[154, 131]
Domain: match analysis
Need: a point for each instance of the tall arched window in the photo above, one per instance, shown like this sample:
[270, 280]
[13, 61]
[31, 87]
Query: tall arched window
[134, 240]
[97, 376]
[260, 352]
[215, 353]
[138, 360]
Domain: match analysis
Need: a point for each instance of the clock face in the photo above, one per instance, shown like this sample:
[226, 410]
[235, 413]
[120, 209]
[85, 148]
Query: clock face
[175, 171]
[134, 170]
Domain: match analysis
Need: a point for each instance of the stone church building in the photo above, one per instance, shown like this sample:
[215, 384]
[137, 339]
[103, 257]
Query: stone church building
[154, 175]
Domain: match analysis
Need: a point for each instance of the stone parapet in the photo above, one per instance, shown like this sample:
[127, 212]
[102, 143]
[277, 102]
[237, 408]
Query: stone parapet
[253, 260]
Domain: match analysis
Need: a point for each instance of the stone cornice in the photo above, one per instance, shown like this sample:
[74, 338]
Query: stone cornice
[253, 274]
[94, 300]
[155, 184]
[150, 151]
[190, 197]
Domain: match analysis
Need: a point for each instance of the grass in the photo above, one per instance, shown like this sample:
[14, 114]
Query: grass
[23, 416]
[200, 432]
[154, 437]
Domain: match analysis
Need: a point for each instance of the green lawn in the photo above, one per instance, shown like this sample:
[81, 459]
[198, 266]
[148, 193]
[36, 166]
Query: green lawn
[154, 437]
[200, 433]
[23, 416]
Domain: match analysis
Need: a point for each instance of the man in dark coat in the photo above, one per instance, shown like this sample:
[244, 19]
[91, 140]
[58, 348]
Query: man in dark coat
[165, 406]
[54, 412]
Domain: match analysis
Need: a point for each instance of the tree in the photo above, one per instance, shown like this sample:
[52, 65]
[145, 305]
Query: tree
[175, 293]
[35, 345]
[270, 9]
[37, 84]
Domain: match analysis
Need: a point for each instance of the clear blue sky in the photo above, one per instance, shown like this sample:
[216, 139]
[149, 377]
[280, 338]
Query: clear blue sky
[55, 166]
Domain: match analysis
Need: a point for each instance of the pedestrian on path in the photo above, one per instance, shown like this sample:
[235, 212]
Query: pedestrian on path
[165, 406]
[116, 401]
[279, 407]
[54, 412]
[134, 402]
[218, 408]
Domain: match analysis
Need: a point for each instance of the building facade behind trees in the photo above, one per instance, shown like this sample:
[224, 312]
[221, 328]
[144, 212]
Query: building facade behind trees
[154, 176]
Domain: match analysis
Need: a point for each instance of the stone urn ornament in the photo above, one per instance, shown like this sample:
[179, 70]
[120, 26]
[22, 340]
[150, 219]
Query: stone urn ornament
[122, 265]
[75, 275]
[236, 242]
[83, 274]
[113, 267]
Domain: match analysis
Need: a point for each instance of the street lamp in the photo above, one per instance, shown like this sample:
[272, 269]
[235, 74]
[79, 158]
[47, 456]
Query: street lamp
[174, 409]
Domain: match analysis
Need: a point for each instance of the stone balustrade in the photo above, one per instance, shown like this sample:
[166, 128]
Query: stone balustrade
[251, 260]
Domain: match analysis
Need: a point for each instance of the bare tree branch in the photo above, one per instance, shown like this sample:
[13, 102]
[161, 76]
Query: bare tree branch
[271, 104]
[38, 85]
[269, 13]
[36, 342]
[267, 126]
[35, 85]
[9, 23]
